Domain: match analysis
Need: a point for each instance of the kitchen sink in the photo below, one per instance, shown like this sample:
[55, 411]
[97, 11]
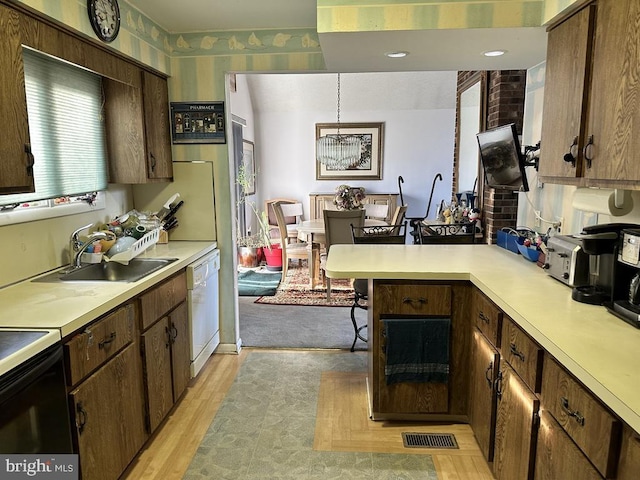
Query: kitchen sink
[137, 269]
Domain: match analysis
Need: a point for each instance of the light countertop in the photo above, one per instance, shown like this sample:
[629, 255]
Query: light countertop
[598, 348]
[68, 306]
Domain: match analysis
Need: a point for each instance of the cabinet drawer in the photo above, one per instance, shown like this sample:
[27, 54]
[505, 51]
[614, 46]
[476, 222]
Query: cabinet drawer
[522, 353]
[161, 299]
[588, 423]
[99, 342]
[414, 299]
[557, 456]
[487, 317]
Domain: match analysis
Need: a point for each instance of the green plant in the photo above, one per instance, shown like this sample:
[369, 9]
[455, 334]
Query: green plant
[262, 237]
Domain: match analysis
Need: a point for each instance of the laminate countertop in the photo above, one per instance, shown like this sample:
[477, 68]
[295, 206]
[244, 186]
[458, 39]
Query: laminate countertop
[68, 306]
[598, 348]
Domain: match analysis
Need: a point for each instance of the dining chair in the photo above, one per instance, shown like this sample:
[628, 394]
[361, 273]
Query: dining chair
[290, 250]
[337, 230]
[398, 215]
[290, 217]
[376, 210]
[391, 234]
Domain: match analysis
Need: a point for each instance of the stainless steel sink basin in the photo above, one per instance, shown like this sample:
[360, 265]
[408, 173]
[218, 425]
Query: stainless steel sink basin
[137, 269]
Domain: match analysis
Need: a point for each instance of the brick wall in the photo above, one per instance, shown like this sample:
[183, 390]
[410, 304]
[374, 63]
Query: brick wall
[505, 104]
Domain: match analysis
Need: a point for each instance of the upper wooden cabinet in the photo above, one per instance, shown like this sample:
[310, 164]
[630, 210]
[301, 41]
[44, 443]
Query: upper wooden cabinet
[16, 161]
[158, 131]
[591, 109]
[138, 135]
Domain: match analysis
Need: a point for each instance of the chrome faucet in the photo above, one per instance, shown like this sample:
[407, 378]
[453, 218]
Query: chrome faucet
[77, 248]
[92, 237]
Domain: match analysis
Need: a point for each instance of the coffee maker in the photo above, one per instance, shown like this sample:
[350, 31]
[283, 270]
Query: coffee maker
[625, 302]
[600, 243]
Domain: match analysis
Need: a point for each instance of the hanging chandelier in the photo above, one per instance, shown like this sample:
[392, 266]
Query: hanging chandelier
[337, 151]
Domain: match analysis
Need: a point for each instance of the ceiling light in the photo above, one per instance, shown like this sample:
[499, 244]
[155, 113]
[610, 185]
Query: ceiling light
[494, 53]
[338, 151]
[397, 54]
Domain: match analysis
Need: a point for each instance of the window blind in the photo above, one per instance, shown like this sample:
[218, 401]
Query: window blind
[64, 103]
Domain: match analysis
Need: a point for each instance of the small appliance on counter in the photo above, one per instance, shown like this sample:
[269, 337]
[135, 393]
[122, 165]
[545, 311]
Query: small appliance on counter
[566, 261]
[625, 302]
[587, 262]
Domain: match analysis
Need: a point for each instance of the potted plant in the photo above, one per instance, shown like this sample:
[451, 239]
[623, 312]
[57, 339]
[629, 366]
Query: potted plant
[253, 248]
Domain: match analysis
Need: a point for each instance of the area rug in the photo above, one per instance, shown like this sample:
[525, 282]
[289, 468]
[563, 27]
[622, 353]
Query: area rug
[266, 426]
[295, 290]
[258, 282]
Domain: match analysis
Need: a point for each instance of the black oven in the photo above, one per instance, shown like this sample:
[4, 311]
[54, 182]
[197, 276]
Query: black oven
[34, 416]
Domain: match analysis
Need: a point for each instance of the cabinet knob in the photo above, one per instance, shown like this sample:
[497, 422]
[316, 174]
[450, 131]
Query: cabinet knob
[570, 156]
[81, 417]
[498, 385]
[579, 418]
[515, 352]
[30, 159]
[487, 374]
[587, 151]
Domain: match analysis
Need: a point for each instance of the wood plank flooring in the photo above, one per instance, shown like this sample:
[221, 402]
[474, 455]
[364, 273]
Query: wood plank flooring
[342, 425]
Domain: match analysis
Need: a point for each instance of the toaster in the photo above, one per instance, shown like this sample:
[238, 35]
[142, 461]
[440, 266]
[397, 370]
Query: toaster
[566, 261]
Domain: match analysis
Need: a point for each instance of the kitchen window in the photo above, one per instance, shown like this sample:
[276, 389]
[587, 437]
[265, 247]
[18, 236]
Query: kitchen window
[66, 127]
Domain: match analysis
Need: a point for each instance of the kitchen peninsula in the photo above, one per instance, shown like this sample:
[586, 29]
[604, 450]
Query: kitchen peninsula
[581, 345]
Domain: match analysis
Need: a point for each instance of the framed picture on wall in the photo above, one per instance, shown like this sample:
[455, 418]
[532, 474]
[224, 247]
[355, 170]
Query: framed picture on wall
[197, 122]
[372, 147]
[249, 163]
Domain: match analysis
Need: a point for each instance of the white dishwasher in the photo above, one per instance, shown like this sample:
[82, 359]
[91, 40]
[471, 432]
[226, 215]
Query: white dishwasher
[204, 317]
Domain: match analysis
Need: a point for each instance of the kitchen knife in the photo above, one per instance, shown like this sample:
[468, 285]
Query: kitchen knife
[166, 208]
[174, 209]
[172, 225]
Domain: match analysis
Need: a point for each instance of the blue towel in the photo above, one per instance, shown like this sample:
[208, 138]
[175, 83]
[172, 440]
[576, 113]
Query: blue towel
[417, 350]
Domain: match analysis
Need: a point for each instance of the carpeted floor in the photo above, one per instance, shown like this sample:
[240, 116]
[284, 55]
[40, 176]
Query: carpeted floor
[265, 427]
[285, 326]
[296, 290]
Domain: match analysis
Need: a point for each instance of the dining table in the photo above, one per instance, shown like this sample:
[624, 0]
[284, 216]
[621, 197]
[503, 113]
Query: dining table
[312, 232]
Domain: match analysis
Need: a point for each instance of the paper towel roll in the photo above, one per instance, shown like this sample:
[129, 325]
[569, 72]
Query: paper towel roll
[602, 200]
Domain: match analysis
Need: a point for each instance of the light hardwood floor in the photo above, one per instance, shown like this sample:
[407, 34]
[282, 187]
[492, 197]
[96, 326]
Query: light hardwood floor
[343, 425]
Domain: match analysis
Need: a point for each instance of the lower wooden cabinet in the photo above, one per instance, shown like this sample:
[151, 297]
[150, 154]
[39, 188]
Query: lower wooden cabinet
[557, 457]
[629, 465]
[589, 424]
[108, 408]
[485, 361]
[166, 358]
[417, 301]
[516, 426]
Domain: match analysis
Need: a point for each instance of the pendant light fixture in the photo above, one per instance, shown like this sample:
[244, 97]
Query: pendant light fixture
[338, 151]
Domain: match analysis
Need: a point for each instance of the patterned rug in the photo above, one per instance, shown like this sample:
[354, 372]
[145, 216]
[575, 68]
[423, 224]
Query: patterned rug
[295, 290]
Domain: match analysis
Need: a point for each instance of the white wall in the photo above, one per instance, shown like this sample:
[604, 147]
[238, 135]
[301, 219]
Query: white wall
[418, 110]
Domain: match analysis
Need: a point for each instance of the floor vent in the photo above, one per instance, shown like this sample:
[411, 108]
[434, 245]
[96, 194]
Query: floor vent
[429, 440]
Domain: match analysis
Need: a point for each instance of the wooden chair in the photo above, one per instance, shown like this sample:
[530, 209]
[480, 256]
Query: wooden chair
[337, 230]
[398, 215]
[391, 234]
[297, 250]
[290, 220]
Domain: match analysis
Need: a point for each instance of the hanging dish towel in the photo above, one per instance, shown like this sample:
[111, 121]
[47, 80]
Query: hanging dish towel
[417, 350]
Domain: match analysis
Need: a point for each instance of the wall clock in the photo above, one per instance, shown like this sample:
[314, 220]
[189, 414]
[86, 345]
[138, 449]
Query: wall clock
[104, 16]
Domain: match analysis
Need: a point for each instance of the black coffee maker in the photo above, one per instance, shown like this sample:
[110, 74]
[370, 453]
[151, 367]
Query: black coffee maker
[625, 302]
[600, 242]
